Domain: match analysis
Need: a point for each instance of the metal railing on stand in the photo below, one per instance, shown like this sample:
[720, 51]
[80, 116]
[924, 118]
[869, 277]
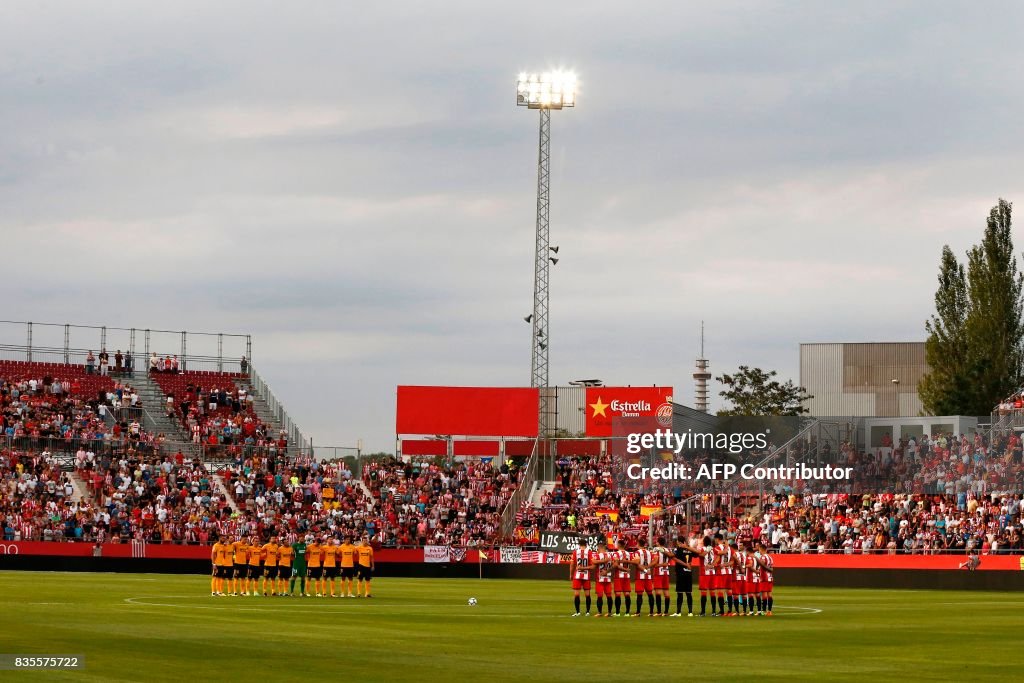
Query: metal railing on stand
[529, 476]
[262, 389]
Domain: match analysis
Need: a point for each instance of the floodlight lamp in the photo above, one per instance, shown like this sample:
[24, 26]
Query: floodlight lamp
[550, 90]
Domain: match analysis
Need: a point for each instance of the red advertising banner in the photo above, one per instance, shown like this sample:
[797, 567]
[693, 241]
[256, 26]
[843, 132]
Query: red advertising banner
[886, 561]
[605, 404]
[518, 448]
[467, 411]
[139, 550]
[424, 447]
[478, 448]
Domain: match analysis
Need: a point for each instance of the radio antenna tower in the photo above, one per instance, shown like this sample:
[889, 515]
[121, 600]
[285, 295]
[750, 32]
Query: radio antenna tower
[701, 377]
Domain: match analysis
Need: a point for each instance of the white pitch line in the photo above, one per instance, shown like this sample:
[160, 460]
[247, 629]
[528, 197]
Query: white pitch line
[975, 602]
[141, 602]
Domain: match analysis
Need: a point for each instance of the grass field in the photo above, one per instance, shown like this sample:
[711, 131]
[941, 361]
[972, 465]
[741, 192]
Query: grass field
[133, 627]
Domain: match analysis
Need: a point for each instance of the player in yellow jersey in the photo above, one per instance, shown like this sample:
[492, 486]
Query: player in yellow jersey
[224, 566]
[285, 555]
[364, 553]
[215, 574]
[347, 560]
[241, 548]
[314, 559]
[255, 558]
[270, 566]
[229, 565]
[330, 552]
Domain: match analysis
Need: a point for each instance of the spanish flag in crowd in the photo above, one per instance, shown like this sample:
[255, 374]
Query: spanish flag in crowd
[611, 513]
[647, 510]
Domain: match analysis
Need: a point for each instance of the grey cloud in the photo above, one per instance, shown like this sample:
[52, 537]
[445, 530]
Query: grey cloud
[355, 186]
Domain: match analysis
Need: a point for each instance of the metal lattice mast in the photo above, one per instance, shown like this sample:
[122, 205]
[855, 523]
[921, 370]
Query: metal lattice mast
[540, 340]
[547, 91]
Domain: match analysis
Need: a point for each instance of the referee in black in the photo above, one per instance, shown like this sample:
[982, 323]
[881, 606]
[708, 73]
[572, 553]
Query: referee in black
[684, 575]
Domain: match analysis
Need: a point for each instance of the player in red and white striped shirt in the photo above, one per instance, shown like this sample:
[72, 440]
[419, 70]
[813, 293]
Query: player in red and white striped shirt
[740, 579]
[708, 574]
[621, 561]
[602, 561]
[723, 580]
[643, 558]
[579, 569]
[767, 565]
[663, 561]
[755, 578]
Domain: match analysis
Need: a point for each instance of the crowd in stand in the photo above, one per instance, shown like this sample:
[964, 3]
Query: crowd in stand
[171, 498]
[397, 504]
[133, 494]
[942, 494]
[290, 497]
[590, 495]
[34, 408]
[124, 364]
[941, 464]
[159, 497]
[215, 412]
[429, 503]
[888, 522]
[36, 499]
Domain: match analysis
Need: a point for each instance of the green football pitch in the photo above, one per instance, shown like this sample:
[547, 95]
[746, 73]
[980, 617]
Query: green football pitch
[148, 627]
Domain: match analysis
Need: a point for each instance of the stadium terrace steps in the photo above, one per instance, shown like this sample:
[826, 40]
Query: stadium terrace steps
[154, 400]
[222, 487]
[78, 484]
[540, 488]
[366, 490]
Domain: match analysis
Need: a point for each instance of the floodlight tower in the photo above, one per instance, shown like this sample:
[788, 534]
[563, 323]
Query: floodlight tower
[547, 91]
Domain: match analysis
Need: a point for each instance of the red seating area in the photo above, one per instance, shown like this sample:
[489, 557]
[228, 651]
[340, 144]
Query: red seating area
[177, 383]
[80, 383]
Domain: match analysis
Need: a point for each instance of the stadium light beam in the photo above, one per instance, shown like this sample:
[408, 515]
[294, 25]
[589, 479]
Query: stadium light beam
[544, 92]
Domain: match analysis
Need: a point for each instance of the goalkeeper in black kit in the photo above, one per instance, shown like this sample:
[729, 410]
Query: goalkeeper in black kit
[683, 557]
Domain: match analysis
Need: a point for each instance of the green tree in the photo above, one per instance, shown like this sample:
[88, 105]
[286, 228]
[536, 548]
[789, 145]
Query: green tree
[975, 341]
[945, 390]
[994, 331]
[753, 391]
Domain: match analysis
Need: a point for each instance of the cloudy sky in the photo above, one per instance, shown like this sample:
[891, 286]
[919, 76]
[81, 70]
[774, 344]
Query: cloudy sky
[354, 185]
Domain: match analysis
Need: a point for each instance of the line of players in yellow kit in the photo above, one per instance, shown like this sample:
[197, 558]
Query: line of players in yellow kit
[245, 568]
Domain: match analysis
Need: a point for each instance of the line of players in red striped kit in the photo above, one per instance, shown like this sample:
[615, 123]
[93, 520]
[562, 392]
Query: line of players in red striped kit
[736, 579]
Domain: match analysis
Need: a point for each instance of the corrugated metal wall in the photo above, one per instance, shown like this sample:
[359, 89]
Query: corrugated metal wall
[570, 409]
[856, 379]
